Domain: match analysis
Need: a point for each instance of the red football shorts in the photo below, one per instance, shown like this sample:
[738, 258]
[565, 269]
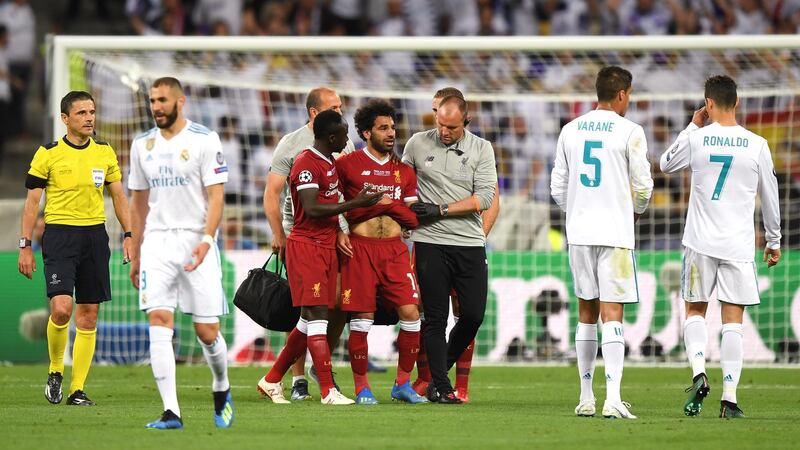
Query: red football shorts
[311, 270]
[378, 267]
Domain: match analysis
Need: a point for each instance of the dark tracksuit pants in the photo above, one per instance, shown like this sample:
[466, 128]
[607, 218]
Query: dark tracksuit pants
[438, 268]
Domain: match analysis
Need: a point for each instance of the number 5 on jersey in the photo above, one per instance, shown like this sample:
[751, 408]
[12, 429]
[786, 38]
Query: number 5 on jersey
[588, 159]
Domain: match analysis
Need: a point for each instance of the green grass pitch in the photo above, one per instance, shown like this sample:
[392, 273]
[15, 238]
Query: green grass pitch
[512, 407]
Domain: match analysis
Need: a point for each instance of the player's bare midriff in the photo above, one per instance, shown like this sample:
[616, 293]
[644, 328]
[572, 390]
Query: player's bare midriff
[381, 227]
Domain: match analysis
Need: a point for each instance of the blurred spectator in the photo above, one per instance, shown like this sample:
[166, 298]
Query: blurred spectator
[520, 15]
[459, 18]
[207, 12]
[232, 147]
[749, 18]
[305, 18]
[18, 17]
[143, 15]
[348, 15]
[74, 9]
[5, 91]
[647, 17]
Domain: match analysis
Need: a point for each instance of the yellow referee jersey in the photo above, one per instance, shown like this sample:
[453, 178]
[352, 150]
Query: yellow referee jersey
[75, 177]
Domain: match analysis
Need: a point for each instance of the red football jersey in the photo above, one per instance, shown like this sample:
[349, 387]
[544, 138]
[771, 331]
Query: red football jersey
[359, 170]
[312, 170]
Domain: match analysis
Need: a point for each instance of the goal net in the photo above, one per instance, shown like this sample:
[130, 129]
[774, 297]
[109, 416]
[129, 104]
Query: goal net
[520, 93]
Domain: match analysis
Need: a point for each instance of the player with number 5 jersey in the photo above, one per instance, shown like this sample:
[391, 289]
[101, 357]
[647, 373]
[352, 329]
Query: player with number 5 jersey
[601, 179]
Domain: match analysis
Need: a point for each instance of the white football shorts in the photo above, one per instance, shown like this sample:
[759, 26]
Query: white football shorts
[164, 284]
[604, 273]
[736, 281]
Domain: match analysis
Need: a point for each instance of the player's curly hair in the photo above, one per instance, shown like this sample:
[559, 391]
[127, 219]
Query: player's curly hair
[366, 115]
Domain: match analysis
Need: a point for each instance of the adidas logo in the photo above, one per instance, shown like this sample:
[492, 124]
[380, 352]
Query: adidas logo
[587, 376]
[698, 355]
[608, 377]
[728, 377]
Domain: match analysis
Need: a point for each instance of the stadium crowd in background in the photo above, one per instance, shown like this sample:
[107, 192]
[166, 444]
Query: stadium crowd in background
[521, 131]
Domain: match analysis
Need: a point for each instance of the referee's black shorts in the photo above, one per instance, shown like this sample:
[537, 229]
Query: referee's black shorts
[76, 260]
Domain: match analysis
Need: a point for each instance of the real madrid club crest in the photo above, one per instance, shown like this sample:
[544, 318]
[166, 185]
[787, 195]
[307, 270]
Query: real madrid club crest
[184, 155]
[149, 144]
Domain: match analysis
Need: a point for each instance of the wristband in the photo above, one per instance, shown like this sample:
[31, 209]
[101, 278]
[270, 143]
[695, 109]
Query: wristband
[208, 239]
[127, 234]
[443, 209]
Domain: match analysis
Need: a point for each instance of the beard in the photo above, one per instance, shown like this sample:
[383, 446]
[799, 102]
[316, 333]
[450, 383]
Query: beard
[170, 118]
[378, 145]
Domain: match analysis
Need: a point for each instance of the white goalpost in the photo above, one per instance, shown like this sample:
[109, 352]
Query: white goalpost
[521, 90]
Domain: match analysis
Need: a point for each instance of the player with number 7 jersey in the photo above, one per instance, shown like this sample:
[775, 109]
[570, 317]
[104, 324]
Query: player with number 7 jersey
[601, 179]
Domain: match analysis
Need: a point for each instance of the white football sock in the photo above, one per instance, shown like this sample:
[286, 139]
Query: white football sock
[586, 349]
[730, 356]
[695, 338]
[297, 378]
[162, 361]
[613, 357]
[217, 358]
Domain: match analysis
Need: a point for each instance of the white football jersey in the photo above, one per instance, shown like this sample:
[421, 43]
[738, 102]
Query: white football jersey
[601, 177]
[730, 165]
[177, 171]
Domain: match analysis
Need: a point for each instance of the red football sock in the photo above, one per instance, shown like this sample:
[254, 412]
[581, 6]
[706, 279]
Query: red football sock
[463, 365]
[358, 347]
[408, 348]
[321, 356]
[294, 348]
[423, 371]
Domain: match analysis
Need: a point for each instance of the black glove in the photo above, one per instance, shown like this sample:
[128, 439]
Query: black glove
[426, 210]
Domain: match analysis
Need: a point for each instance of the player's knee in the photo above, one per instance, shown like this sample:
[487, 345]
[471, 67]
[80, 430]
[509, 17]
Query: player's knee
[408, 313]
[60, 310]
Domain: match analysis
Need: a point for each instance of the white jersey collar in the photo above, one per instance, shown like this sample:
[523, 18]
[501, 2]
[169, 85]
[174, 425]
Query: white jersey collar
[317, 152]
[372, 157]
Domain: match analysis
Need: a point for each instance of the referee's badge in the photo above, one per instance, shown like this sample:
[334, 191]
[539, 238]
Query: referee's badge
[98, 176]
[149, 144]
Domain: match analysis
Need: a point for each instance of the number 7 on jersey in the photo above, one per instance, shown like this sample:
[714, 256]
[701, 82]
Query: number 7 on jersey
[726, 161]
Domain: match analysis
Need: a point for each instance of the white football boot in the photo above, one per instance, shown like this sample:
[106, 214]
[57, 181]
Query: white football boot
[617, 410]
[585, 408]
[336, 398]
[272, 390]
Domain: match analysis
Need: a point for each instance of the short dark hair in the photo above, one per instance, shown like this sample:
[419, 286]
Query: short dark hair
[72, 97]
[326, 123]
[449, 91]
[721, 89]
[611, 80]
[172, 82]
[366, 115]
[314, 98]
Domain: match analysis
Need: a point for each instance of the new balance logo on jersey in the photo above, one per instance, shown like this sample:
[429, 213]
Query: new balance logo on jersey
[429, 161]
[366, 173]
[728, 377]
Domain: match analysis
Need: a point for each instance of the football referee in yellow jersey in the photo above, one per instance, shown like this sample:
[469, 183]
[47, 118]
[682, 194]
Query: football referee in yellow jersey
[73, 171]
